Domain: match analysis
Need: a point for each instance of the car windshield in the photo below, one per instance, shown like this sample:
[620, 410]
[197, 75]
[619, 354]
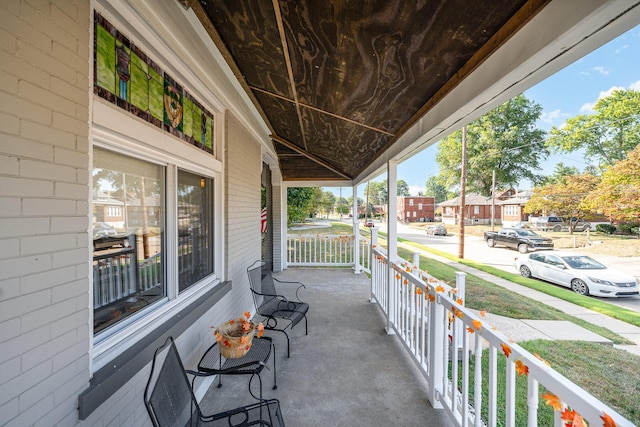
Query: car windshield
[583, 263]
[525, 232]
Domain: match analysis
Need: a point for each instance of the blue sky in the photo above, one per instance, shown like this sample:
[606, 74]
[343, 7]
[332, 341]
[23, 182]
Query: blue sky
[572, 91]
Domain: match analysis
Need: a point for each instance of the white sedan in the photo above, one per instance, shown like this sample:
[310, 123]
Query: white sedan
[583, 274]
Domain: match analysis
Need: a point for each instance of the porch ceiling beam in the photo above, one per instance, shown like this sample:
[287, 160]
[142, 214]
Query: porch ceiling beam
[309, 156]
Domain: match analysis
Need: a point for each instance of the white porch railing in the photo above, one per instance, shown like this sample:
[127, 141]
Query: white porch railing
[327, 250]
[429, 316]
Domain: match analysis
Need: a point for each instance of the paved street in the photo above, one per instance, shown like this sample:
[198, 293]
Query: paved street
[476, 249]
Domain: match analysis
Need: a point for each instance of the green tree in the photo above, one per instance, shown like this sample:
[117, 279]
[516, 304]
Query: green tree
[435, 187]
[606, 136]
[342, 205]
[559, 172]
[378, 192]
[403, 187]
[618, 194]
[563, 198]
[299, 203]
[505, 140]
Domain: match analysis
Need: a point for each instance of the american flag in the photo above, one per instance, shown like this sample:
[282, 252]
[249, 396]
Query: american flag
[263, 220]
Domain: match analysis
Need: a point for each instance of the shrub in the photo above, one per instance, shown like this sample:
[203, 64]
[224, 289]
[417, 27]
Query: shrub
[628, 228]
[606, 228]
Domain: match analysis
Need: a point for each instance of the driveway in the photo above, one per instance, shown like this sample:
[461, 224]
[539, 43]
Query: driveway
[475, 249]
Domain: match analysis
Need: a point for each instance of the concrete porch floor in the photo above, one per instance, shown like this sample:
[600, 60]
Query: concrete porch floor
[346, 372]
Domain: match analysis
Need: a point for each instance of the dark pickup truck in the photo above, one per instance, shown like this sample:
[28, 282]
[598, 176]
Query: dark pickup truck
[517, 238]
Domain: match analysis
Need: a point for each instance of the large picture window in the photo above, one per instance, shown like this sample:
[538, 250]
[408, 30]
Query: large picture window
[128, 244]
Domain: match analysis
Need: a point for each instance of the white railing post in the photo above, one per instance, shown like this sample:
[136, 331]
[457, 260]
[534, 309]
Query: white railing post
[416, 263]
[436, 336]
[356, 232]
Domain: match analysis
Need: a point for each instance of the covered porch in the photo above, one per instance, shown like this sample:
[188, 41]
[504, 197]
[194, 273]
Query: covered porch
[348, 371]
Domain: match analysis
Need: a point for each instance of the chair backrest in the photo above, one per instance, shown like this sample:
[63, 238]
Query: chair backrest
[168, 395]
[261, 283]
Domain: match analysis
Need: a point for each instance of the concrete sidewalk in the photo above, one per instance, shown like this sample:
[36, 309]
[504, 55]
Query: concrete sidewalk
[534, 329]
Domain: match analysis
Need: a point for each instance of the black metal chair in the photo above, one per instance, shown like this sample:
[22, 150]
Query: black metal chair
[279, 312]
[170, 401]
[252, 363]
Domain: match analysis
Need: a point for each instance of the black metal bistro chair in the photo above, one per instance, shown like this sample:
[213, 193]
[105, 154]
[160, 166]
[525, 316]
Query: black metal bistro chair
[252, 363]
[279, 312]
[170, 401]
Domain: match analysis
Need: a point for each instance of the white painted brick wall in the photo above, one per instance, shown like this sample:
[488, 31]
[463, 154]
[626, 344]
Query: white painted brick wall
[243, 167]
[44, 175]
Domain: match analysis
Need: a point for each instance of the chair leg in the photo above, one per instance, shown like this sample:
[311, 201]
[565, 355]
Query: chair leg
[259, 383]
[275, 381]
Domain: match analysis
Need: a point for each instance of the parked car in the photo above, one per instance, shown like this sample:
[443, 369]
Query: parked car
[583, 274]
[559, 223]
[517, 238]
[369, 223]
[436, 230]
[102, 229]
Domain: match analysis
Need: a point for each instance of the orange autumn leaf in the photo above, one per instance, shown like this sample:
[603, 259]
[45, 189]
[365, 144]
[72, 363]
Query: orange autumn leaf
[431, 297]
[244, 339]
[247, 314]
[553, 401]
[408, 269]
[521, 368]
[434, 280]
[608, 421]
[572, 418]
[405, 281]
[470, 330]
[483, 313]
[439, 288]
[459, 301]
[540, 358]
[454, 291]
[232, 321]
[419, 291]
[226, 343]
[506, 350]
[218, 337]
[398, 276]
[477, 324]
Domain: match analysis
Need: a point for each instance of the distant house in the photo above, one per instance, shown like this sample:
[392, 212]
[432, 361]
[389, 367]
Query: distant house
[416, 208]
[477, 209]
[513, 208]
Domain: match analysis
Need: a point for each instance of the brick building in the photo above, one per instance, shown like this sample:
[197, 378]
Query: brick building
[416, 208]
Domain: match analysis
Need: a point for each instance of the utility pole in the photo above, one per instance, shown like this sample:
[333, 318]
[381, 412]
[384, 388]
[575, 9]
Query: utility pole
[463, 193]
[493, 198]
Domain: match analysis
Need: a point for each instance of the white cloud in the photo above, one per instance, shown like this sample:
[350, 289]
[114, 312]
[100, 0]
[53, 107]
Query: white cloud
[588, 107]
[601, 70]
[414, 189]
[553, 116]
[635, 86]
[620, 49]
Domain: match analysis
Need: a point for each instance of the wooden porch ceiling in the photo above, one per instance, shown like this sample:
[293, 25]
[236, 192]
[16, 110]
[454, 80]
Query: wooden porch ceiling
[339, 81]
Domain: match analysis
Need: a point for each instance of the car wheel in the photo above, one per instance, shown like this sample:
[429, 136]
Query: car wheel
[557, 228]
[523, 248]
[525, 271]
[578, 286]
[491, 242]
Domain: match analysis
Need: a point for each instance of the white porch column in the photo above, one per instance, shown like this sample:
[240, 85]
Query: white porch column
[392, 234]
[279, 218]
[357, 268]
[282, 224]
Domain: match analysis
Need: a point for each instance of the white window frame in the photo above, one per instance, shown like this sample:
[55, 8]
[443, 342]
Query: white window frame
[137, 139]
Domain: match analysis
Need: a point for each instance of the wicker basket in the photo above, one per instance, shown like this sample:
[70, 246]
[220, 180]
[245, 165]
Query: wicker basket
[235, 344]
